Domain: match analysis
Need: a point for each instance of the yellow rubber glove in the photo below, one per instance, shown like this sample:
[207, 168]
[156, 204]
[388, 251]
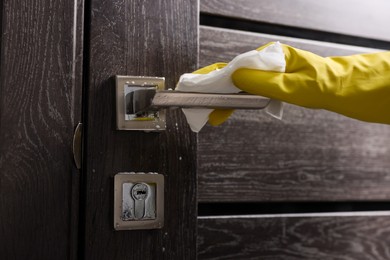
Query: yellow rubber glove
[357, 86]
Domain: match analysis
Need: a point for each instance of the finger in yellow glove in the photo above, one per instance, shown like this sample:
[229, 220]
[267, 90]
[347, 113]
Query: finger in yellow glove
[357, 86]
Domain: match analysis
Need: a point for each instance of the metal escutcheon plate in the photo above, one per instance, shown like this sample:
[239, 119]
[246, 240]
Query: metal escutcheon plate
[128, 88]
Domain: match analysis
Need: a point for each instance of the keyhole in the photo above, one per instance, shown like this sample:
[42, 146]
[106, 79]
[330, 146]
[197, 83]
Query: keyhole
[139, 193]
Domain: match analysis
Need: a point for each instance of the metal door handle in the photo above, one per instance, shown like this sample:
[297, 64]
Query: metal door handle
[151, 99]
[140, 102]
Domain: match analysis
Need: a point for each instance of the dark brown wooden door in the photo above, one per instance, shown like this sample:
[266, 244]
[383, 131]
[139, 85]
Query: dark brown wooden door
[47, 48]
[291, 189]
[40, 103]
[150, 38]
[58, 59]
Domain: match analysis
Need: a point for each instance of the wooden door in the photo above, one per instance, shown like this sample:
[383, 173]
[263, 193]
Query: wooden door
[40, 103]
[314, 185]
[140, 38]
[51, 52]
[312, 161]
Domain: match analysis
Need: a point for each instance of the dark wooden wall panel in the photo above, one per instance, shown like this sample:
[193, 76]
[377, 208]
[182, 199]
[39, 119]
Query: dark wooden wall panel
[348, 236]
[311, 155]
[151, 38]
[40, 97]
[369, 19]
[222, 45]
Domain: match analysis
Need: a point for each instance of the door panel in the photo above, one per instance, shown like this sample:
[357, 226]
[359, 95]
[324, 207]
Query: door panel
[311, 155]
[305, 236]
[40, 98]
[150, 38]
[310, 161]
[361, 18]
[218, 44]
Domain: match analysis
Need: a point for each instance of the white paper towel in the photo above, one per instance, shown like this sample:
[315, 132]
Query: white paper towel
[270, 58]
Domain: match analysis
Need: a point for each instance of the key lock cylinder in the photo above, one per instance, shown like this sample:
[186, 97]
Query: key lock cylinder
[138, 201]
[139, 193]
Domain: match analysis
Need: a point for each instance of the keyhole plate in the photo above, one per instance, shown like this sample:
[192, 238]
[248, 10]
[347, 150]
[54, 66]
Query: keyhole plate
[138, 201]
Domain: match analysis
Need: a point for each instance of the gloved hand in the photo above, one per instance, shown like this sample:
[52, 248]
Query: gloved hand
[357, 86]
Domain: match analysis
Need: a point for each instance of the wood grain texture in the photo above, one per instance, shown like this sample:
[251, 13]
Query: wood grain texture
[295, 237]
[151, 38]
[40, 97]
[222, 45]
[311, 155]
[349, 17]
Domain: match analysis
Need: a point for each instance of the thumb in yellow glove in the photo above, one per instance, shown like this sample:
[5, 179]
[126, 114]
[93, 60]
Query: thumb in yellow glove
[357, 86]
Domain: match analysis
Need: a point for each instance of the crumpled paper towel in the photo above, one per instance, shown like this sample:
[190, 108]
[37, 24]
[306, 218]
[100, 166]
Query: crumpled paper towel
[270, 58]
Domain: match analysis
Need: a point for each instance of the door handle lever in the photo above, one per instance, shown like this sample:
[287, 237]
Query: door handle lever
[148, 99]
[140, 102]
